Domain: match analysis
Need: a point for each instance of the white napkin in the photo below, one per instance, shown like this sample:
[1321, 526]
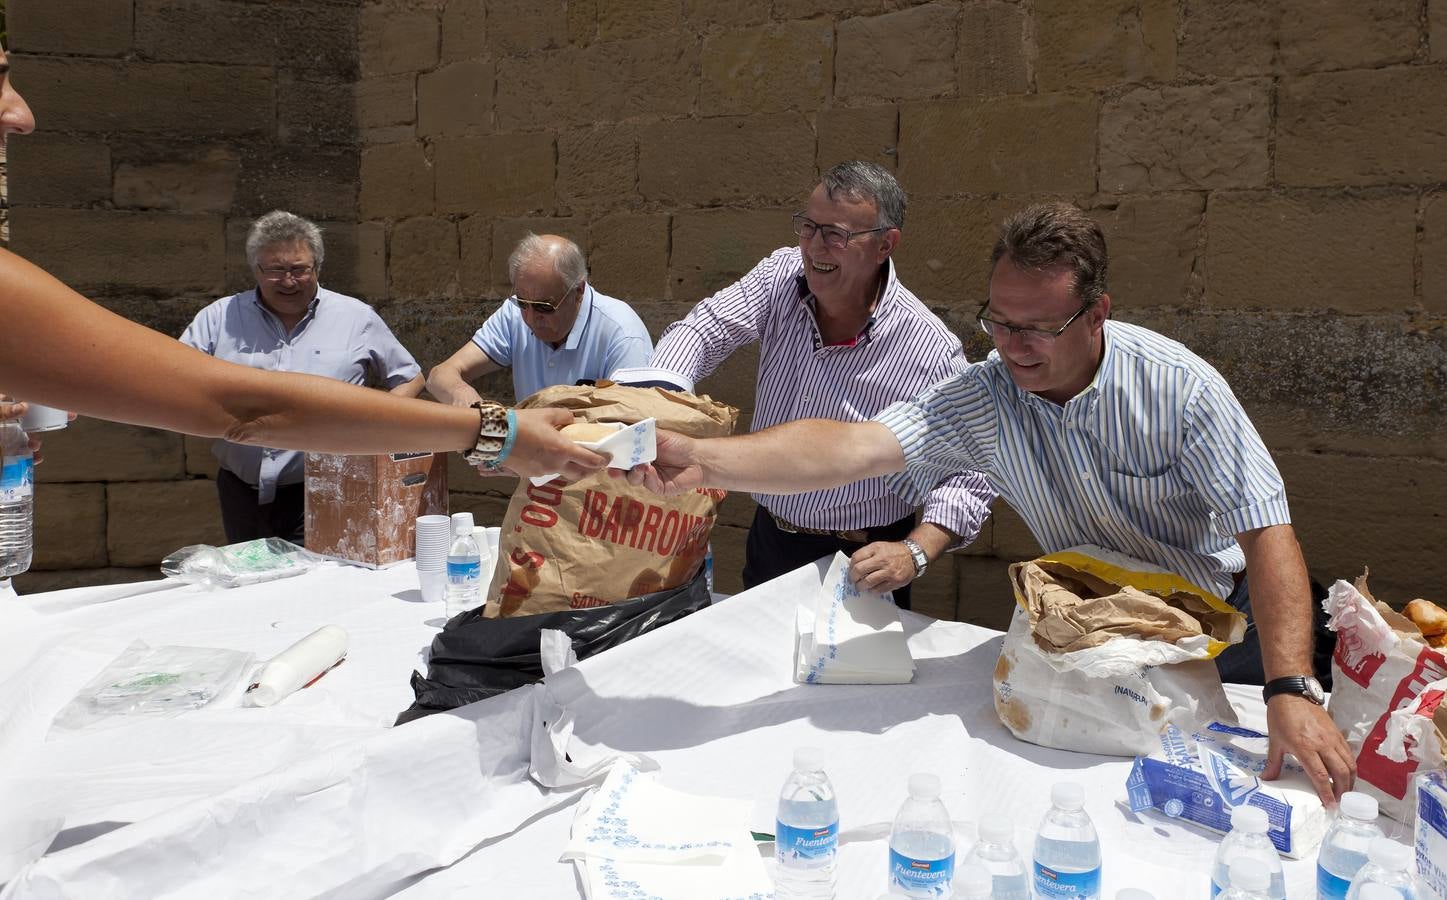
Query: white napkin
[850, 636]
[632, 445]
[633, 837]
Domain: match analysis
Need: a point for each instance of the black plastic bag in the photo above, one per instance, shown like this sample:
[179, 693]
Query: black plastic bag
[475, 658]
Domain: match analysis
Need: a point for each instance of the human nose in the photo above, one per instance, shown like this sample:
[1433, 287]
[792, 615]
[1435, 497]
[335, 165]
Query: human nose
[16, 117]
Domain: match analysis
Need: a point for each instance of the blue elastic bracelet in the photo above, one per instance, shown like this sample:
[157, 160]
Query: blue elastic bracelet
[512, 436]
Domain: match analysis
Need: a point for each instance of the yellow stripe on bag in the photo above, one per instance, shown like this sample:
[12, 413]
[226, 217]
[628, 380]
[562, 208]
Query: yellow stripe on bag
[1162, 584]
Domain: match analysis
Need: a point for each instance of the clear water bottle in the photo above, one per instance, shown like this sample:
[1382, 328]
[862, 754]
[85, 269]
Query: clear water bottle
[17, 500]
[1390, 865]
[1344, 849]
[922, 842]
[1250, 879]
[996, 853]
[974, 882]
[1067, 850]
[464, 567]
[806, 837]
[1248, 837]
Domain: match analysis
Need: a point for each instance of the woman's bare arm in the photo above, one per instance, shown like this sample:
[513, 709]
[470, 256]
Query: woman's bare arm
[59, 349]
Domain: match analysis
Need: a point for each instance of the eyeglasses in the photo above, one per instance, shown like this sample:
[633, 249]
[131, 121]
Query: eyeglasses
[279, 273]
[541, 307]
[834, 237]
[997, 330]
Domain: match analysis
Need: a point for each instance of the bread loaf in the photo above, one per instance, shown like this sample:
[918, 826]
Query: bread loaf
[588, 432]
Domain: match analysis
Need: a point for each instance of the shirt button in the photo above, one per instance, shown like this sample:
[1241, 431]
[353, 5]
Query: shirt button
[552, 363]
[1084, 474]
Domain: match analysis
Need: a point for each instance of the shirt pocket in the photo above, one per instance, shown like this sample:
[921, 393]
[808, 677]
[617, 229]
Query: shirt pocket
[1143, 491]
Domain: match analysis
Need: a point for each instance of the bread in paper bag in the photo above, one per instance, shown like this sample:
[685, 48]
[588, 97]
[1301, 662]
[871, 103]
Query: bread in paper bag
[1381, 671]
[601, 540]
[1104, 651]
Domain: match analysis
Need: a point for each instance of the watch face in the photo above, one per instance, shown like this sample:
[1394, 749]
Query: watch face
[1313, 691]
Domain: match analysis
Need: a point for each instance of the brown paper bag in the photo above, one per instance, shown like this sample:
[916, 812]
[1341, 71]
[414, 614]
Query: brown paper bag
[600, 540]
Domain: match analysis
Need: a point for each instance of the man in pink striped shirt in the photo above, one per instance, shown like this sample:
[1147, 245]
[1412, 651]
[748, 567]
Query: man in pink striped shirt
[839, 338]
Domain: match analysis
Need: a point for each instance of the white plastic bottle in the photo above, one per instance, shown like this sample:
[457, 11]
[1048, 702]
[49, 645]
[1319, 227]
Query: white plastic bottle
[995, 852]
[1067, 850]
[1344, 849]
[806, 837]
[17, 500]
[1248, 837]
[464, 567]
[1390, 865]
[1250, 880]
[974, 882]
[922, 842]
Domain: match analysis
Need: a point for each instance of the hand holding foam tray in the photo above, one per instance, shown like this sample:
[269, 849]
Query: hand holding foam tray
[631, 445]
[851, 636]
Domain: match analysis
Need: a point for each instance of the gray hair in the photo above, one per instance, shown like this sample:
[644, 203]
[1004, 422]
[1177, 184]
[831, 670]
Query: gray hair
[566, 257]
[1047, 235]
[280, 227]
[864, 181]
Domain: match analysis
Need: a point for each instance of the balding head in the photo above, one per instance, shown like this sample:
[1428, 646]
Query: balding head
[561, 255]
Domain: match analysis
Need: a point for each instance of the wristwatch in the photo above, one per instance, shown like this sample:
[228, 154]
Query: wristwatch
[1302, 685]
[916, 552]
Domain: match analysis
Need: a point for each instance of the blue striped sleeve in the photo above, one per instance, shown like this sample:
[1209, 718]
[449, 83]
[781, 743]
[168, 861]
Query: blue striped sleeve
[948, 429]
[721, 324]
[1224, 458]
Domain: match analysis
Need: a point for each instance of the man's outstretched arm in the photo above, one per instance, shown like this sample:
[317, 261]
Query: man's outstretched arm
[792, 458]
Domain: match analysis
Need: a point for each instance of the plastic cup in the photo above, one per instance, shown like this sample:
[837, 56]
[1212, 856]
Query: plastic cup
[43, 418]
[434, 537]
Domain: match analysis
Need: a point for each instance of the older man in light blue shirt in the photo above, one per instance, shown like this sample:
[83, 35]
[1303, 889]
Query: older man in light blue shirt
[289, 323]
[554, 329]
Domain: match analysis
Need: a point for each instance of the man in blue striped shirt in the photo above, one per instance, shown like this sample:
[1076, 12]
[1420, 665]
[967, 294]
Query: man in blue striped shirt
[1097, 432]
[839, 336]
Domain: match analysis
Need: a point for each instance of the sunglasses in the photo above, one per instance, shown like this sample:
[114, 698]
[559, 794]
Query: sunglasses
[541, 307]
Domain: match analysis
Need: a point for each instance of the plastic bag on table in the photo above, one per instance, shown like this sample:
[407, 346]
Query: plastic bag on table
[250, 562]
[155, 681]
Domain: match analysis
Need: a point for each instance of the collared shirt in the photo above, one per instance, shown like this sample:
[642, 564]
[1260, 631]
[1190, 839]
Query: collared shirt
[606, 335]
[350, 343]
[903, 349]
[1155, 459]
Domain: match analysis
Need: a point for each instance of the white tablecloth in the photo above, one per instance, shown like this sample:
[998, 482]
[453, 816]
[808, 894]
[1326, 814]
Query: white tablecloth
[318, 796]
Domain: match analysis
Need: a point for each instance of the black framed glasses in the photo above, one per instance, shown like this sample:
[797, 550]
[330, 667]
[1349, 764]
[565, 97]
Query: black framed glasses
[834, 237]
[541, 307]
[997, 330]
[279, 273]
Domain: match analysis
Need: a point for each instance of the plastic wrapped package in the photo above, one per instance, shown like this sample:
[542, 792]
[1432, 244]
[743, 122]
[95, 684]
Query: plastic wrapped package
[250, 562]
[159, 681]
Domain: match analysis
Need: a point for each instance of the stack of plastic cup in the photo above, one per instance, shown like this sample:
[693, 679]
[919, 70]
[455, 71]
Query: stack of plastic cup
[434, 537]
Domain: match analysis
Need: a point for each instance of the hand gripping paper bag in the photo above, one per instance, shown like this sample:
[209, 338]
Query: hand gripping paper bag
[1104, 651]
[600, 540]
[1383, 693]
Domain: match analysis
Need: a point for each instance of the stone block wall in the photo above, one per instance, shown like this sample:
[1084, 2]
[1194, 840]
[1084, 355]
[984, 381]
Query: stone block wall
[1269, 177]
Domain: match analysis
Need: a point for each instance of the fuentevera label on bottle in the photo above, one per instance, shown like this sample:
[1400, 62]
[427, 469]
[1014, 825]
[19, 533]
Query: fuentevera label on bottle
[921, 877]
[807, 846]
[1053, 883]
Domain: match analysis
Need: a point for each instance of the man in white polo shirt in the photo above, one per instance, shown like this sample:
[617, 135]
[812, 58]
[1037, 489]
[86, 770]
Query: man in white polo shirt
[554, 329]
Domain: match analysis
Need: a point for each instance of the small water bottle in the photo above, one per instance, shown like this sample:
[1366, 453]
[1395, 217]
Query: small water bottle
[464, 567]
[922, 842]
[1344, 849]
[995, 852]
[1067, 850]
[1390, 865]
[1250, 879]
[806, 837]
[17, 496]
[1248, 837]
[974, 882]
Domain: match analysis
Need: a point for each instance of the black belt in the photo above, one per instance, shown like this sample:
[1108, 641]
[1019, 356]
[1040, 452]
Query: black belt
[857, 536]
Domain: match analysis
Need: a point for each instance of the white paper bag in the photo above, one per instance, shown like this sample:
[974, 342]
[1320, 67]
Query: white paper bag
[1114, 698]
[850, 636]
